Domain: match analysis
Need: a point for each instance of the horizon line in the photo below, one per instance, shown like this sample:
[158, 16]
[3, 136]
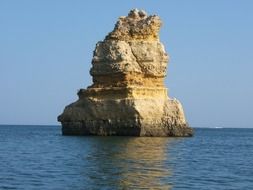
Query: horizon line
[60, 125]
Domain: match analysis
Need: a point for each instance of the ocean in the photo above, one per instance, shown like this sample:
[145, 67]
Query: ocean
[39, 157]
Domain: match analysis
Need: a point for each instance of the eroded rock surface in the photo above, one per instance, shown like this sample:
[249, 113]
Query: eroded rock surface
[128, 96]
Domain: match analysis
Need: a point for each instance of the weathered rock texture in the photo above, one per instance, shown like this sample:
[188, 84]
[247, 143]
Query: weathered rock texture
[128, 96]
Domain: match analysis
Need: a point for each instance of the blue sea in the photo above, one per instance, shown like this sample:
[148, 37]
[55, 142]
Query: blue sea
[39, 157]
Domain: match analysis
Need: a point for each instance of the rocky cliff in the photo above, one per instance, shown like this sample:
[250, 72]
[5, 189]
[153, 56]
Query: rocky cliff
[128, 96]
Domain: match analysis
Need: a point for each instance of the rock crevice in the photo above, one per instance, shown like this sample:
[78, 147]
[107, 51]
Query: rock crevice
[128, 95]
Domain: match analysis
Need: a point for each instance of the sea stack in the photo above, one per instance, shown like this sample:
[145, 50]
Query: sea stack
[128, 96]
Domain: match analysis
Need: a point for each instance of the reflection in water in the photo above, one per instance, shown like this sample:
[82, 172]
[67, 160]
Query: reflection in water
[129, 163]
[38, 157]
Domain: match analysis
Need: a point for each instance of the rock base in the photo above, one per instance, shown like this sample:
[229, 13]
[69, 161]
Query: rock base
[125, 111]
[107, 129]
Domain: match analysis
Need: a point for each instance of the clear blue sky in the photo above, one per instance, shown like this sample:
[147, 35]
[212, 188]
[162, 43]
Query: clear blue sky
[46, 49]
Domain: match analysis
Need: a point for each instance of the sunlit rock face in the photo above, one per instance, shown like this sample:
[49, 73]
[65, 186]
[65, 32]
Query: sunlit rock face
[128, 96]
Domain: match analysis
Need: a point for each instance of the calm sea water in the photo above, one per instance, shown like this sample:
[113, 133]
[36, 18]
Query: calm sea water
[38, 157]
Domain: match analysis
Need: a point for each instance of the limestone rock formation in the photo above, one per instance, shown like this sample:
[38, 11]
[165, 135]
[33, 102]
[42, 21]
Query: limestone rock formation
[128, 96]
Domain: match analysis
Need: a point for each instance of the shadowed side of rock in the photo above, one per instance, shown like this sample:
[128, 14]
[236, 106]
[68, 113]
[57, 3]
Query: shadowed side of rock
[128, 96]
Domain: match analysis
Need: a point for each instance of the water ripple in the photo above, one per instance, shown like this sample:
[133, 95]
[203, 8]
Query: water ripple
[38, 157]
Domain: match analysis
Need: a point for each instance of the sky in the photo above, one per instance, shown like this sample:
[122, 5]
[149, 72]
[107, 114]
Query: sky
[46, 50]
